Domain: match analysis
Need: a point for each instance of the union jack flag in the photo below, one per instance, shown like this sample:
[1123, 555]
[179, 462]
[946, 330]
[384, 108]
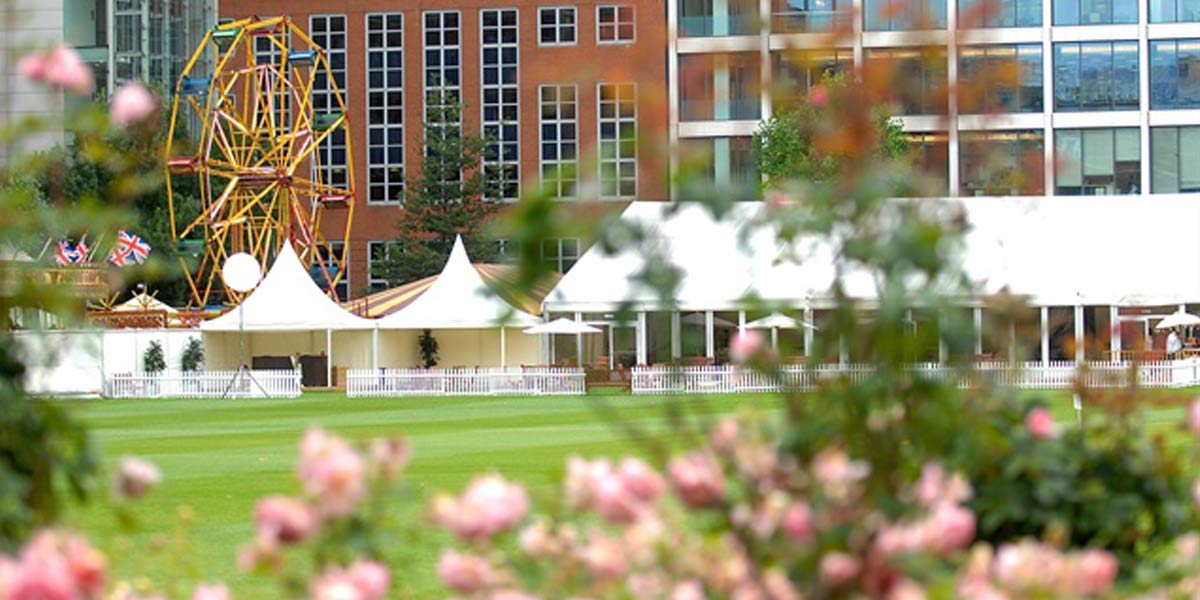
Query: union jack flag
[67, 254]
[129, 249]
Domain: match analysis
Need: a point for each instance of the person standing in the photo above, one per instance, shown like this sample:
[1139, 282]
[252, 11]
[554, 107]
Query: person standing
[1173, 344]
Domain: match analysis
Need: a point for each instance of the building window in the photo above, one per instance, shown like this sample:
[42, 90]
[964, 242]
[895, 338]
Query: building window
[1095, 12]
[559, 124]
[327, 255]
[1000, 79]
[1175, 74]
[1001, 163]
[385, 107]
[501, 120]
[725, 164]
[918, 77]
[1096, 76]
[1174, 11]
[930, 154]
[267, 51]
[556, 26]
[1174, 154]
[377, 256]
[808, 16]
[738, 97]
[618, 139]
[443, 78]
[904, 15]
[795, 72]
[973, 14]
[615, 24]
[1097, 161]
[329, 32]
[560, 254]
[703, 18]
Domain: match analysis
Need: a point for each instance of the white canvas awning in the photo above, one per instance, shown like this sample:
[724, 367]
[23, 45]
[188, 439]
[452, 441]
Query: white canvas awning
[287, 299]
[459, 299]
[1055, 251]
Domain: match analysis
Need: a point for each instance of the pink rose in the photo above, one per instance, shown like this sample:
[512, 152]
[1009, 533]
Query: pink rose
[56, 565]
[537, 541]
[60, 67]
[463, 573]
[334, 586]
[389, 457]
[285, 519]
[906, 589]
[1040, 424]
[613, 501]
[836, 472]
[133, 103]
[264, 551]
[746, 344]
[488, 506]
[1094, 572]
[724, 436]
[33, 67]
[798, 523]
[818, 96]
[511, 595]
[697, 479]
[135, 477]
[370, 578]
[838, 569]
[216, 591]
[331, 472]
[949, 528]
[603, 557]
[639, 480]
[690, 589]
[64, 69]
[1193, 417]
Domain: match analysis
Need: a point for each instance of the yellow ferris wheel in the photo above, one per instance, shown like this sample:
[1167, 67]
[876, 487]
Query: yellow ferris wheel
[272, 154]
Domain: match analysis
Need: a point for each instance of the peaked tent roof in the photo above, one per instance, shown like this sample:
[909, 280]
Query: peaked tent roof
[498, 277]
[144, 301]
[458, 299]
[287, 299]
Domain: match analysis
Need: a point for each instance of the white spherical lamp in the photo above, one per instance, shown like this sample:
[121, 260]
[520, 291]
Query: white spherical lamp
[241, 272]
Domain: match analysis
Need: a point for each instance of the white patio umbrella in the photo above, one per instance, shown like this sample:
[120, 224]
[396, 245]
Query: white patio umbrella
[562, 326]
[1178, 318]
[775, 322]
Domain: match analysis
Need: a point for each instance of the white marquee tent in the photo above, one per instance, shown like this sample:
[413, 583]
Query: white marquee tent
[1060, 252]
[469, 321]
[287, 314]
[1065, 251]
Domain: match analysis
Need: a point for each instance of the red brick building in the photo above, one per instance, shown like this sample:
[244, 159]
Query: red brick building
[561, 87]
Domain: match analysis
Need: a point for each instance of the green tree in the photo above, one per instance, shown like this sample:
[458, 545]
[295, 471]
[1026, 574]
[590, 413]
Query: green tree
[193, 355]
[450, 197]
[784, 144]
[153, 360]
[83, 173]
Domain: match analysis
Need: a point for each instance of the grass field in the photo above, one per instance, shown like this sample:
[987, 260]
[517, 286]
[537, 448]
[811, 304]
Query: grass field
[218, 457]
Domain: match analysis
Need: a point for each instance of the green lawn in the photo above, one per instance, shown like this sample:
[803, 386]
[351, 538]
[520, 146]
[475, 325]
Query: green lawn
[218, 457]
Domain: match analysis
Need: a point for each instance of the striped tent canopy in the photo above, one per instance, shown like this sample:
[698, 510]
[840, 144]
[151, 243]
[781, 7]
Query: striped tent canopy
[381, 304]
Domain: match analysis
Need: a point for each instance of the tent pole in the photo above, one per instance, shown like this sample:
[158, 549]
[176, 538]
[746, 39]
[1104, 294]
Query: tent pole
[329, 357]
[503, 349]
[375, 348]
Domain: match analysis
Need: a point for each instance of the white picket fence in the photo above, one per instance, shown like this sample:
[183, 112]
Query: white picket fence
[728, 379]
[377, 383]
[203, 384]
